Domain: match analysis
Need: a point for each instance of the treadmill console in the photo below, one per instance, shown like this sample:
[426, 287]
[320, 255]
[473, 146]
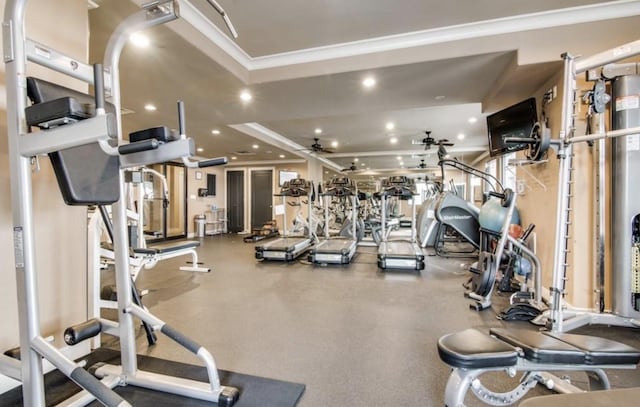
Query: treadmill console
[296, 187]
[399, 186]
[340, 186]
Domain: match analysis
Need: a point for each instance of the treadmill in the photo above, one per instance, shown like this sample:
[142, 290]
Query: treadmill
[288, 248]
[337, 250]
[399, 254]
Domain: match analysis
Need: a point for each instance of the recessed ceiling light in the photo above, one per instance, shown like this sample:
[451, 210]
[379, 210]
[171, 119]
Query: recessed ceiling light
[150, 108]
[401, 163]
[245, 96]
[399, 158]
[439, 97]
[334, 144]
[281, 155]
[447, 156]
[326, 172]
[255, 146]
[356, 160]
[390, 125]
[368, 168]
[215, 131]
[234, 158]
[139, 40]
[200, 149]
[362, 164]
[393, 140]
[369, 82]
[461, 136]
[318, 130]
[472, 120]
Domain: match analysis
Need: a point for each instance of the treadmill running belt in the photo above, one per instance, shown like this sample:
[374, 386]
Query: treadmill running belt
[254, 391]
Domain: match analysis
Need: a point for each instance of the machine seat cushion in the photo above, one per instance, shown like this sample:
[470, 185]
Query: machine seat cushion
[169, 247]
[473, 349]
[600, 351]
[145, 250]
[541, 348]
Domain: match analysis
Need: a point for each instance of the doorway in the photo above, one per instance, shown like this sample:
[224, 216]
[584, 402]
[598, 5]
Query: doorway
[165, 210]
[235, 201]
[261, 197]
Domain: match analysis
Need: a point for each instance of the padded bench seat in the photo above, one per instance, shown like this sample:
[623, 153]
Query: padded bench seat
[472, 349]
[540, 348]
[168, 247]
[475, 350]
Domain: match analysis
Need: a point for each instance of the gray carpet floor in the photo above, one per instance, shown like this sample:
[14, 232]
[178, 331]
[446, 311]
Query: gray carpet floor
[354, 335]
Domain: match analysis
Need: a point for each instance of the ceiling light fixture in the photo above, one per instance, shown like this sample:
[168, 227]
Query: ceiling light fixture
[356, 160]
[318, 130]
[393, 140]
[362, 164]
[439, 97]
[447, 156]
[200, 149]
[150, 108]
[399, 158]
[390, 125]
[245, 96]
[369, 82]
[215, 131]
[255, 146]
[334, 144]
[234, 158]
[472, 120]
[139, 40]
[281, 155]
[461, 136]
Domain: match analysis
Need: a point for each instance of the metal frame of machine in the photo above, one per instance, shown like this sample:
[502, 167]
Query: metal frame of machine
[288, 248]
[399, 254]
[337, 250]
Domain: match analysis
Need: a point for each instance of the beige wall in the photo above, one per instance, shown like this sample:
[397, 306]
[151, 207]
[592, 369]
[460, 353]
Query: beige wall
[60, 230]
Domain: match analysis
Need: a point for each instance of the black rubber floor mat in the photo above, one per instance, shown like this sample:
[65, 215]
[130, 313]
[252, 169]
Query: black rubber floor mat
[254, 391]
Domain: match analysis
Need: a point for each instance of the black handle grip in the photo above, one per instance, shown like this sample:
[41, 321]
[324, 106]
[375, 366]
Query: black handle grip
[78, 333]
[98, 85]
[138, 146]
[497, 194]
[213, 162]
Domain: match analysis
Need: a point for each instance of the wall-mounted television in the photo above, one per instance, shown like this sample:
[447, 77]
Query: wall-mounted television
[514, 121]
[287, 176]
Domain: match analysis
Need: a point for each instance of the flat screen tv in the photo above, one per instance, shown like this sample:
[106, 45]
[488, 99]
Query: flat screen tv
[514, 121]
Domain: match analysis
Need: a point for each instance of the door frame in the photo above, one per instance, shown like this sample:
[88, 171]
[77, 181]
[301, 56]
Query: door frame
[248, 201]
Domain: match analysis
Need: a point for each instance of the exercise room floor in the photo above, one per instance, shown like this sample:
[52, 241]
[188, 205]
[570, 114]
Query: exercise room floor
[353, 335]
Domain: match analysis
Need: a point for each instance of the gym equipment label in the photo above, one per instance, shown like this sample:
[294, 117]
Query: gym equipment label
[627, 102]
[18, 247]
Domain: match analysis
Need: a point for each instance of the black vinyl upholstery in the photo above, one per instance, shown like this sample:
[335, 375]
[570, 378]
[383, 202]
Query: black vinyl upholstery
[540, 348]
[600, 351]
[473, 349]
[86, 175]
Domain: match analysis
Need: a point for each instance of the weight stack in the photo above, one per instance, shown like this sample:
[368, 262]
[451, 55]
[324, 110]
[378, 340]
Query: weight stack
[625, 201]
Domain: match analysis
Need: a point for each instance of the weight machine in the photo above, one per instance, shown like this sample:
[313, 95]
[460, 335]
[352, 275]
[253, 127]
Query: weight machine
[625, 211]
[85, 146]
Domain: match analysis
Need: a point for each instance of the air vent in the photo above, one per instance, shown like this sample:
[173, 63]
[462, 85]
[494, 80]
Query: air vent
[243, 152]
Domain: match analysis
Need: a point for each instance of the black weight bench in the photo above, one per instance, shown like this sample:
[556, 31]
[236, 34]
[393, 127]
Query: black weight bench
[472, 353]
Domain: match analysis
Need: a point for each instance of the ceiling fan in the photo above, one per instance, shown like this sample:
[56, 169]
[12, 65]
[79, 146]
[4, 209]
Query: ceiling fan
[429, 141]
[422, 165]
[316, 147]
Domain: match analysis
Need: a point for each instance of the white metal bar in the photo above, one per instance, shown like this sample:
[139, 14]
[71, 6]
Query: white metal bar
[608, 56]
